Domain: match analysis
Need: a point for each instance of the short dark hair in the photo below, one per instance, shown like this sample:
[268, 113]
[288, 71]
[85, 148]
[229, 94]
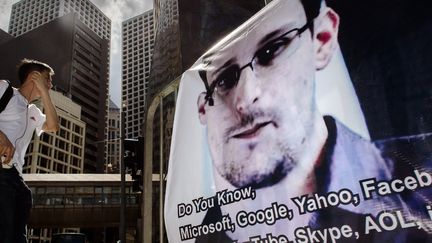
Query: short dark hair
[26, 66]
[312, 8]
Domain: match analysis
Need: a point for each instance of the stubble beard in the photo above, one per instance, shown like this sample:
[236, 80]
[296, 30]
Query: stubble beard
[242, 173]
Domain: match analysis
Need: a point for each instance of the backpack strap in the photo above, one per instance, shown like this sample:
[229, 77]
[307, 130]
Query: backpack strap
[7, 95]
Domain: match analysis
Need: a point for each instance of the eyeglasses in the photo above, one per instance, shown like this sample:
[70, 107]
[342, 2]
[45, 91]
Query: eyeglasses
[267, 56]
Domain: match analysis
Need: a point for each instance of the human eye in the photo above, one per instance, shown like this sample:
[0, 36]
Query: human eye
[227, 79]
[271, 50]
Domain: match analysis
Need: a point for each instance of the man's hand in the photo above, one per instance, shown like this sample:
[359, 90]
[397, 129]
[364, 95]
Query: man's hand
[40, 82]
[7, 150]
[43, 83]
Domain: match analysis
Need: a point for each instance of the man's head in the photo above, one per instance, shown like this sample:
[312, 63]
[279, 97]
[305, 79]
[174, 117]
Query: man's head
[259, 106]
[28, 67]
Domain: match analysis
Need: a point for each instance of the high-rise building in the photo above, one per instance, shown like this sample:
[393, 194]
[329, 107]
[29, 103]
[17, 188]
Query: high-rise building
[30, 14]
[113, 141]
[166, 62]
[137, 51]
[63, 151]
[80, 59]
[4, 36]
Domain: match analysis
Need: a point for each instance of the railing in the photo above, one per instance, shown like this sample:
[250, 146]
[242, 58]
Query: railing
[81, 200]
[45, 196]
[75, 201]
[81, 206]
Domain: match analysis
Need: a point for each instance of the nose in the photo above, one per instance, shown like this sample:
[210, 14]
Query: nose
[248, 91]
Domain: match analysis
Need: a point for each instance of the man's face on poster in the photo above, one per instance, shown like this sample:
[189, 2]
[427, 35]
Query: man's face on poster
[262, 89]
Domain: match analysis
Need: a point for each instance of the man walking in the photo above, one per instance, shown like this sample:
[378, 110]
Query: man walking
[17, 122]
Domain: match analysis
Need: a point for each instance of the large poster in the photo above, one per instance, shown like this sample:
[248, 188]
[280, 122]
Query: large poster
[270, 143]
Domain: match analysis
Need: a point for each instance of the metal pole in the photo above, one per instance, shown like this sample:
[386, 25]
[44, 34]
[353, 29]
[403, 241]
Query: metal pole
[161, 167]
[122, 230]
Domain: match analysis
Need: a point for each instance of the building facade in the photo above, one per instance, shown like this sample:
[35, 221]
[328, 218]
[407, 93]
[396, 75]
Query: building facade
[63, 151]
[89, 88]
[30, 14]
[114, 139]
[137, 51]
[166, 61]
[4, 36]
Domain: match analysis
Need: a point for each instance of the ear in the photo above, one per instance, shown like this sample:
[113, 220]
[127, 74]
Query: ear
[201, 108]
[325, 36]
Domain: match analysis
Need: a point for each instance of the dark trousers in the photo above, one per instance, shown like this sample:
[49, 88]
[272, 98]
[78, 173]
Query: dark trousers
[15, 205]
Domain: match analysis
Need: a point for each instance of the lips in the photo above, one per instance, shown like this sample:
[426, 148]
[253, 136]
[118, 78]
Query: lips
[251, 132]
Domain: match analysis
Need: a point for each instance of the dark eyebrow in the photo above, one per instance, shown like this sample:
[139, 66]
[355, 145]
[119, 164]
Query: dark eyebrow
[227, 63]
[205, 59]
[203, 72]
[269, 36]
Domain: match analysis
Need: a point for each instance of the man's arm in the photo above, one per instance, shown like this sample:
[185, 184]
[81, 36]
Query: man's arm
[51, 123]
[7, 150]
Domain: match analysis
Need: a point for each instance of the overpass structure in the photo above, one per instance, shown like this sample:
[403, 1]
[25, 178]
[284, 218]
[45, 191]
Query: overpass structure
[81, 200]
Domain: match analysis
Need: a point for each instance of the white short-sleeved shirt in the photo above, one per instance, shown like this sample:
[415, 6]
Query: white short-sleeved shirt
[18, 121]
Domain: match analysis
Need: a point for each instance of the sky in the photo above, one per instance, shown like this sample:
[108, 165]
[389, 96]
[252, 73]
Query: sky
[118, 11]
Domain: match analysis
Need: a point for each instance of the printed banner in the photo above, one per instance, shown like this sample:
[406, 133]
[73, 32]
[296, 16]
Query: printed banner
[270, 143]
